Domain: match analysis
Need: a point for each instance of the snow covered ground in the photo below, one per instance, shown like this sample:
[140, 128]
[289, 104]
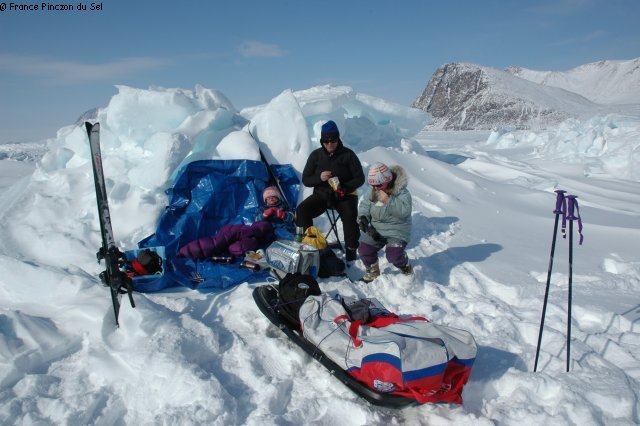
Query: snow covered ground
[11, 171]
[482, 228]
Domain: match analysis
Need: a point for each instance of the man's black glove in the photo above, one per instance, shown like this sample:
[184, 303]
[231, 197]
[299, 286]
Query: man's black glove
[363, 223]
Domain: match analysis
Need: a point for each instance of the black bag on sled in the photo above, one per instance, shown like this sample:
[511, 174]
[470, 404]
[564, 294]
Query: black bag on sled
[293, 291]
[330, 264]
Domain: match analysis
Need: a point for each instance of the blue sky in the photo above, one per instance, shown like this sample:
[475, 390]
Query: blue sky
[55, 65]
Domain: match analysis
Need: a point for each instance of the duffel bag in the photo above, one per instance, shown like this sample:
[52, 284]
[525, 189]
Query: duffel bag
[408, 356]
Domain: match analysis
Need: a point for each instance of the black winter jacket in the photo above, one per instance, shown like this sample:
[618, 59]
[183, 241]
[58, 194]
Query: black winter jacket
[343, 163]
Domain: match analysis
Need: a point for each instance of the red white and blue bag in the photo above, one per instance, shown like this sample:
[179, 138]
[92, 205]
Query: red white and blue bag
[408, 356]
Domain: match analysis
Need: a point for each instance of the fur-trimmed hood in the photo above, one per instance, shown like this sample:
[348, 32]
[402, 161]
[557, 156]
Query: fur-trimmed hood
[400, 179]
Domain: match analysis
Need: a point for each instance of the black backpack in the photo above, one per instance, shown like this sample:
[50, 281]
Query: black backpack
[293, 291]
[330, 264]
[148, 262]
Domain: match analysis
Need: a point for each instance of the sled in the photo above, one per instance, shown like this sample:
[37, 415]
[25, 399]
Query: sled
[266, 297]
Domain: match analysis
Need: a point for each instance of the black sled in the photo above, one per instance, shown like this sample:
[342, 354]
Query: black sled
[267, 299]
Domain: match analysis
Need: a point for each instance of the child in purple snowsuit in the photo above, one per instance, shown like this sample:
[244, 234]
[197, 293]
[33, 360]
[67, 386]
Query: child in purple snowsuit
[237, 239]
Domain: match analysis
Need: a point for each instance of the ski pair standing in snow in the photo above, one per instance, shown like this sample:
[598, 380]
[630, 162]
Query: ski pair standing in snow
[113, 277]
[384, 217]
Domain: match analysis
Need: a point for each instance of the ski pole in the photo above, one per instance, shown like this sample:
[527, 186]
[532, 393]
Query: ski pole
[558, 210]
[272, 176]
[571, 203]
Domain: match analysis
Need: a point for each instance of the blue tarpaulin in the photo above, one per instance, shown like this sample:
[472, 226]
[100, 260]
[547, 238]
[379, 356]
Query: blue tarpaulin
[205, 196]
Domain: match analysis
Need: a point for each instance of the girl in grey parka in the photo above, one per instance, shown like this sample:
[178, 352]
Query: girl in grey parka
[385, 219]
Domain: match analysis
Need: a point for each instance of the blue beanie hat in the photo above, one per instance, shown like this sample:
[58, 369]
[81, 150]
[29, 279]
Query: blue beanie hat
[329, 129]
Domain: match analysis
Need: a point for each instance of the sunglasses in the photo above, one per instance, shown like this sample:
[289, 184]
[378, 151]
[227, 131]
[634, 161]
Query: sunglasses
[329, 140]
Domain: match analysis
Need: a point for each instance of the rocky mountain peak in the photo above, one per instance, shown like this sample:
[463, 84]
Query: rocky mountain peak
[463, 96]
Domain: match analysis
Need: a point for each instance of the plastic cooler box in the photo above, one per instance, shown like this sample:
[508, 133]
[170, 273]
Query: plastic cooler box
[291, 256]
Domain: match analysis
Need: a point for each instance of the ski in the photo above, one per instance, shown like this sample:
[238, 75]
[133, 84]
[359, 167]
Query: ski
[272, 176]
[113, 277]
[274, 179]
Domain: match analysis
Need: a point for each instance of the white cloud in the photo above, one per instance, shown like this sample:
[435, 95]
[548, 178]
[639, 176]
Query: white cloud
[581, 39]
[60, 71]
[257, 49]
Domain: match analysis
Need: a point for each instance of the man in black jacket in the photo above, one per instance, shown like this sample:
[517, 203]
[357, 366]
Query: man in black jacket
[335, 173]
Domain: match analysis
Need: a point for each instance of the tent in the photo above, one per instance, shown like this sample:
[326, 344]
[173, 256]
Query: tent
[206, 195]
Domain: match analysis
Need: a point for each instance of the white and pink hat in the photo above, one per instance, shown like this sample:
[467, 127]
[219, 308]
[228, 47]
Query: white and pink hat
[271, 191]
[379, 174]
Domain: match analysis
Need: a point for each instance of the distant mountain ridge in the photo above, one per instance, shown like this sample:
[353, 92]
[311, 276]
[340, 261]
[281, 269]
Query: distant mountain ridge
[462, 96]
[604, 82]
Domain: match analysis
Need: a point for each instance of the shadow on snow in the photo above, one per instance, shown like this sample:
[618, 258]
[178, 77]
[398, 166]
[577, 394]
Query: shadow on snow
[427, 227]
[437, 267]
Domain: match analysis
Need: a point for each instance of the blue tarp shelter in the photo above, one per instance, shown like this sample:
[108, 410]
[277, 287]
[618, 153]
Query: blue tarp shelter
[205, 196]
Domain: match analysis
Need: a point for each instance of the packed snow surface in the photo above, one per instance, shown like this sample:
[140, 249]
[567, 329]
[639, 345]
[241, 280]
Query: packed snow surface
[482, 230]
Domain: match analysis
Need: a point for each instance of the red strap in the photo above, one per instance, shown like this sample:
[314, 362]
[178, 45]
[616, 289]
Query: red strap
[383, 321]
[378, 322]
[353, 332]
[138, 268]
[341, 317]
[353, 328]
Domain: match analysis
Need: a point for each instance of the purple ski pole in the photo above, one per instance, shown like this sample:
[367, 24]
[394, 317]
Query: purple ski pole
[558, 211]
[572, 205]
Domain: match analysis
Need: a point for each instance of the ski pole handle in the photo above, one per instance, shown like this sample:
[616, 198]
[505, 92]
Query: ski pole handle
[571, 203]
[559, 200]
